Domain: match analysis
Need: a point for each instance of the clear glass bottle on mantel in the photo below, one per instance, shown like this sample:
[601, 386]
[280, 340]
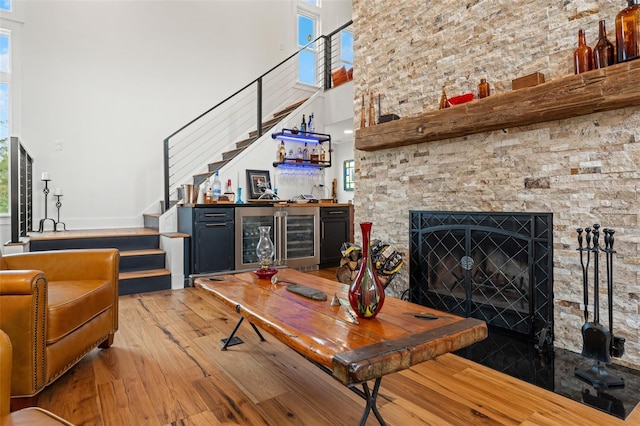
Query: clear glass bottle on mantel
[628, 32]
[583, 55]
[603, 52]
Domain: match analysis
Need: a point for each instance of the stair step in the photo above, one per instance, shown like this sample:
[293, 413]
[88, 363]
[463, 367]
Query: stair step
[287, 110]
[144, 281]
[140, 260]
[213, 167]
[122, 239]
[151, 221]
[245, 142]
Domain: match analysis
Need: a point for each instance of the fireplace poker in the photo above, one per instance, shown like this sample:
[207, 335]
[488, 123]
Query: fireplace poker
[584, 274]
[617, 343]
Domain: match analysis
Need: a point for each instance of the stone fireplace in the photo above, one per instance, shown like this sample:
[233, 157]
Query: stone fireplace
[582, 169]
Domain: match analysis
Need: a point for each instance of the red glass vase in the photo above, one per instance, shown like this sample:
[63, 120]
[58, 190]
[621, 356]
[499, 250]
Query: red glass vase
[366, 294]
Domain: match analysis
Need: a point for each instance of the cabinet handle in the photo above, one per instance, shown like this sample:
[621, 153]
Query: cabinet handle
[209, 225]
[322, 226]
[214, 215]
[336, 212]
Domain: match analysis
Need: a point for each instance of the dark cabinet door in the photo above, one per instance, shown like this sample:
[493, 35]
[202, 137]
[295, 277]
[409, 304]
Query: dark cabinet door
[214, 249]
[334, 230]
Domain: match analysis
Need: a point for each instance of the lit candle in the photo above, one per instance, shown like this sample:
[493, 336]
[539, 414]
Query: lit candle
[45, 175]
[58, 191]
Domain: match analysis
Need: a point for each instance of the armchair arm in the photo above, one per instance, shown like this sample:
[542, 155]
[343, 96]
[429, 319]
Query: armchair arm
[68, 265]
[23, 310]
[5, 374]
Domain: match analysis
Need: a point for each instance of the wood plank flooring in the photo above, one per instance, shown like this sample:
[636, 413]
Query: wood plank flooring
[166, 368]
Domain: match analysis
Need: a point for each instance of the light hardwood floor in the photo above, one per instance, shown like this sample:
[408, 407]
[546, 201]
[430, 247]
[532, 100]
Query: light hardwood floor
[166, 368]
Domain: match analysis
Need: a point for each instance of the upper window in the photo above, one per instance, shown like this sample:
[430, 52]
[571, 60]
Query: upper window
[346, 48]
[5, 5]
[307, 28]
[313, 2]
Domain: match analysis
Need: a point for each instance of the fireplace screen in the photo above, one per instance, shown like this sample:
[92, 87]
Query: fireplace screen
[496, 267]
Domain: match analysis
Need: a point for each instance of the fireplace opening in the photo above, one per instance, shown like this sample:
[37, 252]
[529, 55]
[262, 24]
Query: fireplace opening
[496, 267]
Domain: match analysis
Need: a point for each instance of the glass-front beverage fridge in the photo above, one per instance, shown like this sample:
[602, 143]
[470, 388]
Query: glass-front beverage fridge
[294, 232]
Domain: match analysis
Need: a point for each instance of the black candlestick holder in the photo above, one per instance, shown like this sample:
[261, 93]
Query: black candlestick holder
[45, 191]
[58, 205]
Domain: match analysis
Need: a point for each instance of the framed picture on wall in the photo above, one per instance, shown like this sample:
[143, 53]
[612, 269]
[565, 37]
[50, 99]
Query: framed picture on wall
[257, 182]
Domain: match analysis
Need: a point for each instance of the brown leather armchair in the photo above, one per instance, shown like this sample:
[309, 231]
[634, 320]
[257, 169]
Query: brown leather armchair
[56, 306]
[27, 416]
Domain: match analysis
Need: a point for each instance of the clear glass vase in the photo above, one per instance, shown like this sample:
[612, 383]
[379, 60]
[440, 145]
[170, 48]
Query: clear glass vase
[366, 293]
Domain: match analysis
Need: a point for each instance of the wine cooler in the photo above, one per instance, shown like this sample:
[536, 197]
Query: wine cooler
[294, 232]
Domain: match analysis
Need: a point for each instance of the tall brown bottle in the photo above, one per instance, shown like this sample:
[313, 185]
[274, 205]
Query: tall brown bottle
[444, 101]
[583, 55]
[603, 52]
[628, 32]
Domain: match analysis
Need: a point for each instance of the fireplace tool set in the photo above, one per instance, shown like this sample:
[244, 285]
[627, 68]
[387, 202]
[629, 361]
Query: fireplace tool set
[599, 342]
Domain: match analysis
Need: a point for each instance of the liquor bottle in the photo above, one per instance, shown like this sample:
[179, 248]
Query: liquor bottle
[208, 194]
[444, 101]
[603, 52]
[628, 32]
[310, 125]
[299, 155]
[583, 55]
[216, 187]
[282, 153]
[363, 122]
[305, 152]
[484, 89]
[229, 191]
[291, 157]
[372, 109]
[314, 156]
[323, 154]
[303, 125]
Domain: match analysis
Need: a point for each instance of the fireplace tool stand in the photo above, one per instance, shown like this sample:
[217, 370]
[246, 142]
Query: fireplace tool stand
[599, 343]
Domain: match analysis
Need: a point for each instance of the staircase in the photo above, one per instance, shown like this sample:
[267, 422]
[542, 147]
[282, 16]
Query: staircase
[142, 262]
[245, 143]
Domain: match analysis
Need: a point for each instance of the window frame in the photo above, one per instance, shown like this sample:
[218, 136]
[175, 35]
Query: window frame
[348, 175]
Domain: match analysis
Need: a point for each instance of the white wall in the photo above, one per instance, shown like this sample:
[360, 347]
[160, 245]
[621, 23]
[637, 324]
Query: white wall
[111, 79]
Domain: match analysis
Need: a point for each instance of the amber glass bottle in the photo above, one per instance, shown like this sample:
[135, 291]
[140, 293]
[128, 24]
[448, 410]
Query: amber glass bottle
[484, 89]
[603, 52]
[583, 55]
[444, 101]
[628, 32]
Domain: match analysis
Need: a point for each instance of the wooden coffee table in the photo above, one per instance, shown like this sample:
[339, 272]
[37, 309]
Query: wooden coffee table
[403, 334]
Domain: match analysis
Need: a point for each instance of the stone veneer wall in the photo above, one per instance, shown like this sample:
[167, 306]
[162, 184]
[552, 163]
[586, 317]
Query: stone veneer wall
[584, 170]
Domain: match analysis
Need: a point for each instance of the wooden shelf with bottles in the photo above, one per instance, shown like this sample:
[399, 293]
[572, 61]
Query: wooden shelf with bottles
[599, 90]
[317, 142]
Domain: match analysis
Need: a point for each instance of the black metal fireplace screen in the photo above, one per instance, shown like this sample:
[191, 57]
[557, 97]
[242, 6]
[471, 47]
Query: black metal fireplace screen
[492, 266]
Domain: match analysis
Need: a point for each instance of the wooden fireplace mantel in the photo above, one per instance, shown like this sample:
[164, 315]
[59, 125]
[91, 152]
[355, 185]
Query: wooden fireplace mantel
[605, 89]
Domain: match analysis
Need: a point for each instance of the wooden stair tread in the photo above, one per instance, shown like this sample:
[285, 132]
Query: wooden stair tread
[92, 233]
[143, 274]
[145, 252]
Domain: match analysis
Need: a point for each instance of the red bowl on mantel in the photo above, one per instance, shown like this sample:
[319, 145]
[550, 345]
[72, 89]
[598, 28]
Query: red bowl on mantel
[461, 99]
